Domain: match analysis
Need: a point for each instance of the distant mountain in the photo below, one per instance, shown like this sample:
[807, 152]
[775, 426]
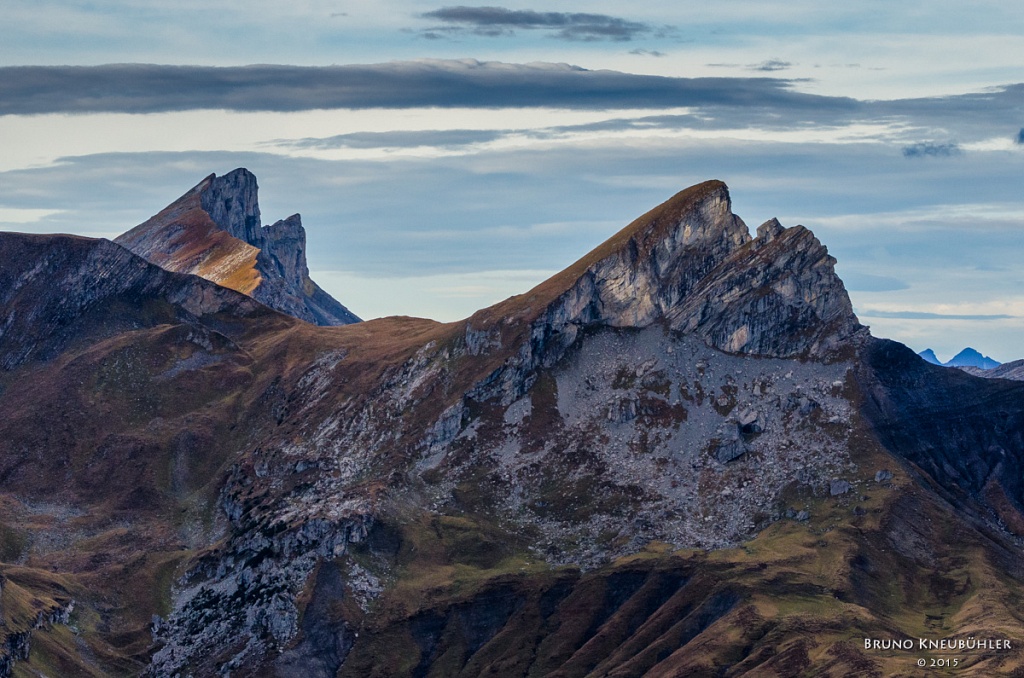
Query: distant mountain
[972, 358]
[214, 231]
[968, 357]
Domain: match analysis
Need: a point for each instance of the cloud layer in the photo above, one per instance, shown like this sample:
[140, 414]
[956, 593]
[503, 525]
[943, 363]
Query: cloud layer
[920, 315]
[145, 88]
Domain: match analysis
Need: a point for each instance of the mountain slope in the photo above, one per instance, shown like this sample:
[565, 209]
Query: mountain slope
[682, 455]
[62, 290]
[115, 389]
[1012, 370]
[214, 231]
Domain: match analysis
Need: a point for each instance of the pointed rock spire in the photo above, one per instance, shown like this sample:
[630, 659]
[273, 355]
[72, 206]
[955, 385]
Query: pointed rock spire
[214, 231]
[232, 202]
[767, 231]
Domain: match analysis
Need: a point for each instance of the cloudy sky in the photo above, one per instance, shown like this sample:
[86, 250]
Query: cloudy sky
[444, 157]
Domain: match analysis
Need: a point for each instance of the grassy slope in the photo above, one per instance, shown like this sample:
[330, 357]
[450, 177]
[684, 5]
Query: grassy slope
[884, 561]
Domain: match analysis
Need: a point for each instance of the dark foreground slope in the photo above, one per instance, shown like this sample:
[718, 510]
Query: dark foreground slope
[683, 455]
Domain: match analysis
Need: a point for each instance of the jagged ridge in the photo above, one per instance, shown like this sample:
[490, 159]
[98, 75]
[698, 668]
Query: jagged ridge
[691, 264]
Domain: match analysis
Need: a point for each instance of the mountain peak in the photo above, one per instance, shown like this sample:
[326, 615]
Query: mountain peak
[690, 264]
[929, 356]
[214, 231]
[697, 218]
[970, 357]
[233, 204]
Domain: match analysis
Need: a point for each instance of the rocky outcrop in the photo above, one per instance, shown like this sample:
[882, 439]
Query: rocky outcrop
[286, 285]
[691, 264]
[214, 231]
[16, 646]
[232, 203]
[245, 600]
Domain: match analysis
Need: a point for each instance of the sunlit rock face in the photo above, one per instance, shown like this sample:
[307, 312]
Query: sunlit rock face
[214, 231]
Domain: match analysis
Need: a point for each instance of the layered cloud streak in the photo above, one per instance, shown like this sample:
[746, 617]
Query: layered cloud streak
[144, 88]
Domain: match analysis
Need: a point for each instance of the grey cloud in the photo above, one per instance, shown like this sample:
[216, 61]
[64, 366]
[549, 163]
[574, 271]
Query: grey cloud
[974, 116]
[447, 139]
[497, 21]
[770, 65]
[918, 315]
[929, 149]
[462, 138]
[647, 52]
[1020, 136]
[144, 88]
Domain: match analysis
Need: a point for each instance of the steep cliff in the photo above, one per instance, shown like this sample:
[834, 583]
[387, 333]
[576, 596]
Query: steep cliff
[214, 231]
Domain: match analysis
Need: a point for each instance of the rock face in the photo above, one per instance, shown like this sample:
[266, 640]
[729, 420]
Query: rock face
[232, 203]
[691, 265]
[214, 231]
[633, 469]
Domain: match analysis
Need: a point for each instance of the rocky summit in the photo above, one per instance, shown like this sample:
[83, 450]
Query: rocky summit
[682, 455]
[214, 231]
